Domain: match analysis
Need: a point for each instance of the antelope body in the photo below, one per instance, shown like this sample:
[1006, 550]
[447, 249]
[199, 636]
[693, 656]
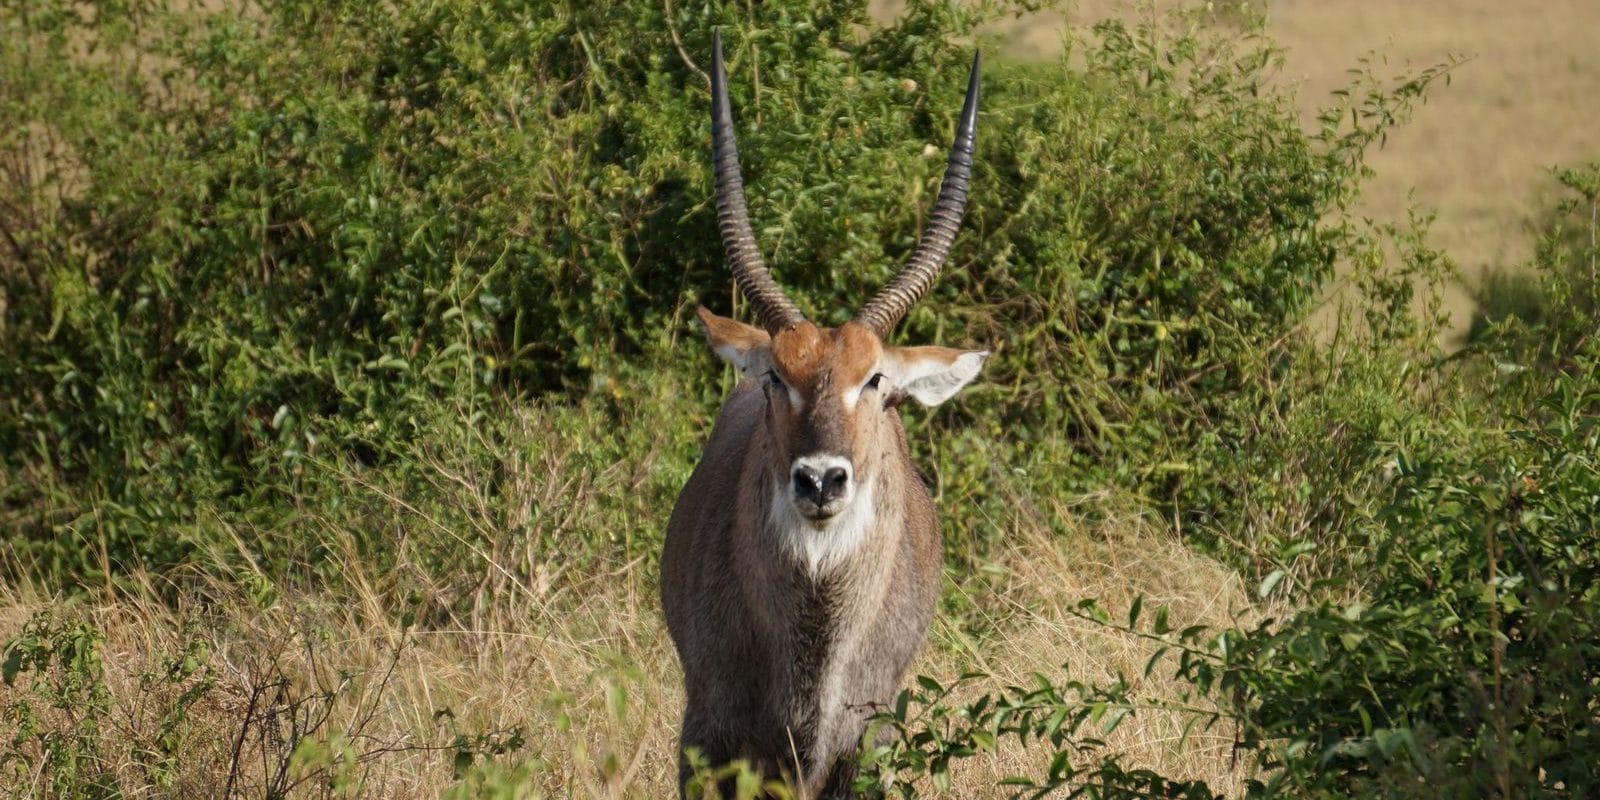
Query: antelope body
[801, 565]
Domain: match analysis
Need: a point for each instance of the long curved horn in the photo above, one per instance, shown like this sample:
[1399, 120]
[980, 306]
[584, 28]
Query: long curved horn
[772, 306]
[913, 282]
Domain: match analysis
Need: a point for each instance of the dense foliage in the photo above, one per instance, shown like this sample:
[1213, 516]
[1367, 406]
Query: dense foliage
[251, 258]
[246, 237]
[1442, 642]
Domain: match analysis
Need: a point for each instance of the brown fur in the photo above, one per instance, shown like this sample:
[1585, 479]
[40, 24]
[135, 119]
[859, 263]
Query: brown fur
[782, 665]
[819, 358]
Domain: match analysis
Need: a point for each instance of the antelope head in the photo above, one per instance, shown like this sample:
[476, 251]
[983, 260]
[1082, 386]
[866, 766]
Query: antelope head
[832, 393]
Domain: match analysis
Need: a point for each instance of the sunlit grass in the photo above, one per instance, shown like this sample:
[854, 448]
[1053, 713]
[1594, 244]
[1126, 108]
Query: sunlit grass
[387, 670]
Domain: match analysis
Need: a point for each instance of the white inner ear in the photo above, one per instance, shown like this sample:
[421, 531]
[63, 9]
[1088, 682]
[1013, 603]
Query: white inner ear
[932, 380]
[752, 361]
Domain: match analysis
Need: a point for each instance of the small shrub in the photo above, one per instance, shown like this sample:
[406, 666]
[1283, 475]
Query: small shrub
[930, 736]
[1541, 315]
[56, 718]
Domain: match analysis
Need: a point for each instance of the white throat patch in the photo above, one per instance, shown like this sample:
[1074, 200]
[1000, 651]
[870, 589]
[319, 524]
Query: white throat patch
[821, 546]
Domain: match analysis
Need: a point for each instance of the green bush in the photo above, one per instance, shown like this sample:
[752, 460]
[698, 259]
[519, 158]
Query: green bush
[1426, 533]
[1454, 651]
[1466, 662]
[247, 237]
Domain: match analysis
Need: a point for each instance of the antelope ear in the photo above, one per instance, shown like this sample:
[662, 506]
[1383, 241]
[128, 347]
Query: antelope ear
[932, 375]
[746, 347]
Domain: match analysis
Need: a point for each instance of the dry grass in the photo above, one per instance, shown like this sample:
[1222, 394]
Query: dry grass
[1113, 562]
[580, 663]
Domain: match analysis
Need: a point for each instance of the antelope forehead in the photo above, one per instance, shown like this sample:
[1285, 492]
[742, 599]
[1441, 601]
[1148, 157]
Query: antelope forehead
[817, 360]
[859, 357]
[798, 356]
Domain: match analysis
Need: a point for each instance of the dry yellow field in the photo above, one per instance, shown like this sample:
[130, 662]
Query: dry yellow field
[1478, 152]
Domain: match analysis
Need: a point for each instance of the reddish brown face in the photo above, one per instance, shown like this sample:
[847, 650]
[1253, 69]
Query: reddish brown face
[831, 397]
[828, 405]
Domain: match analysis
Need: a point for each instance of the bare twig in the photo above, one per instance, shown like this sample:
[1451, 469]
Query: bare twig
[238, 742]
[755, 61]
[672, 30]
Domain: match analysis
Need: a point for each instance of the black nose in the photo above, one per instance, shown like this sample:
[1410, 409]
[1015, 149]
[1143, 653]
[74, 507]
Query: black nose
[820, 489]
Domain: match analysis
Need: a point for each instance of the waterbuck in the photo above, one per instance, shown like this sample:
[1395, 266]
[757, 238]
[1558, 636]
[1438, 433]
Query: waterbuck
[802, 559]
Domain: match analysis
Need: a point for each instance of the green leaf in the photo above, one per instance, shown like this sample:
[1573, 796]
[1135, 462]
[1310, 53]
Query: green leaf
[12, 666]
[1113, 719]
[1269, 583]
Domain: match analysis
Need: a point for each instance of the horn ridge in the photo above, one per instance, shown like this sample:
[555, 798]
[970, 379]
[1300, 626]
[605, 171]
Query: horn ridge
[913, 281]
[775, 310]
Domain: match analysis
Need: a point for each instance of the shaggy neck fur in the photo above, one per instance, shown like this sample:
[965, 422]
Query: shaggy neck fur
[833, 586]
[819, 549]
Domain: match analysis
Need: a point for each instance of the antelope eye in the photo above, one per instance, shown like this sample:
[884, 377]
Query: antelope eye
[773, 380]
[872, 383]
